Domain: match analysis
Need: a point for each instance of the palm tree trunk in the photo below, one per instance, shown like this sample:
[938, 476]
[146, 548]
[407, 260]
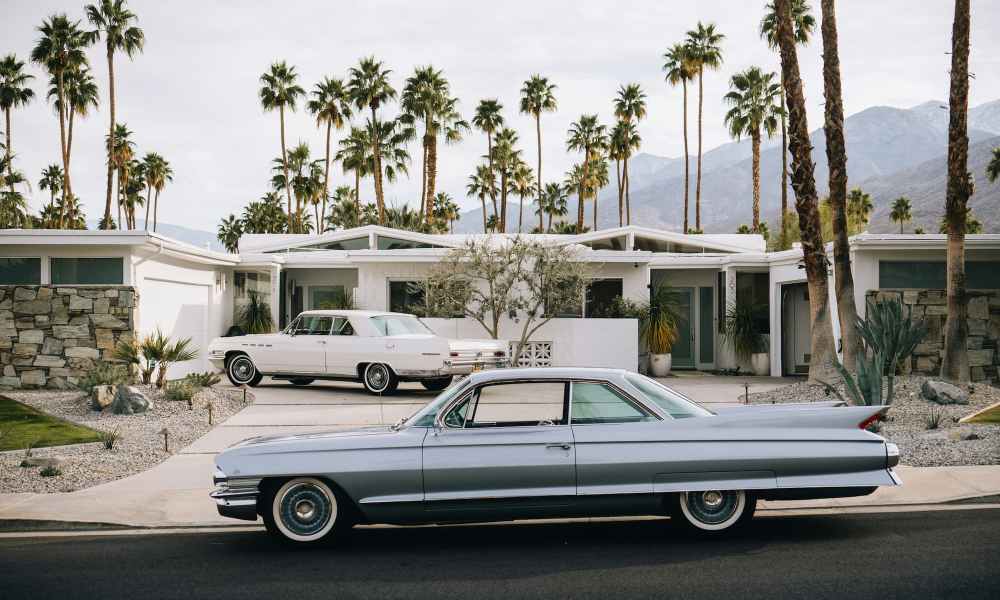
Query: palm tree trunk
[503, 202]
[284, 168]
[520, 213]
[62, 144]
[550, 221]
[111, 138]
[357, 196]
[118, 196]
[697, 189]
[687, 169]
[755, 145]
[621, 195]
[482, 200]
[836, 155]
[784, 172]
[823, 355]
[625, 183]
[377, 153]
[326, 178]
[431, 175]
[423, 180]
[538, 174]
[595, 210]
[583, 184]
[10, 153]
[149, 195]
[489, 157]
[156, 205]
[955, 362]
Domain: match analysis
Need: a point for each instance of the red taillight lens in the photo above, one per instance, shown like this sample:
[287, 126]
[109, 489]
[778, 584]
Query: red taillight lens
[453, 354]
[499, 353]
[872, 419]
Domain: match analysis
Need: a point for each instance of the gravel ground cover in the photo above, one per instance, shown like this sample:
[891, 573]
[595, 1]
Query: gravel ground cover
[950, 444]
[139, 448]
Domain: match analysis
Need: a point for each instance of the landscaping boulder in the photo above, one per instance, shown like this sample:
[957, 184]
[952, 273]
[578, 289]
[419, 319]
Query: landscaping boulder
[943, 393]
[44, 462]
[129, 400]
[103, 396]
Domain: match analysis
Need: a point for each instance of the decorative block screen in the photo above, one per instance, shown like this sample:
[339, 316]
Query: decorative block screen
[534, 354]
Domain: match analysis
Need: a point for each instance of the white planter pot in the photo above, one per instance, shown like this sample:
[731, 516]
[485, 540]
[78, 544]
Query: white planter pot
[659, 364]
[761, 363]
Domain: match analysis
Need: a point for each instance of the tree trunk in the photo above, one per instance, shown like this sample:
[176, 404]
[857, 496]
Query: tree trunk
[538, 175]
[118, 196]
[149, 194]
[10, 154]
[621, 191]
[583, 180]
[784, 172]
[423, 181]
[377, 150]
[955, 362]
[357, 197]
[687, 170]
[489, 157]
[503, 202]
[755, 145]
[836, 156]
[156, 205]
[550, 222]
[111, 139]
[62, 145]
[823, 355]
[431, 176]
[625, 183]
[697, 189]
[284, 168]
[482, 200]
[326, 179]
[520, 213]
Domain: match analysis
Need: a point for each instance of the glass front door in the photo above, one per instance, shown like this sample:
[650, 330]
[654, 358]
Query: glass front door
[683, 349]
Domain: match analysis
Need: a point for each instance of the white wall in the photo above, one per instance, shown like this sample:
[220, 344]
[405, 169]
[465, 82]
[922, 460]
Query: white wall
[608, 343]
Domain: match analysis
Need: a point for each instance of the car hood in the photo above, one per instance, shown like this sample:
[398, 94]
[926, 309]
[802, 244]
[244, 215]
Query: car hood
[313, 436]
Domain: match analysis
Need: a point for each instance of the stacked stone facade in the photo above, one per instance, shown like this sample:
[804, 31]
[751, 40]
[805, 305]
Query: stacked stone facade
[50, 336]
[984, 330]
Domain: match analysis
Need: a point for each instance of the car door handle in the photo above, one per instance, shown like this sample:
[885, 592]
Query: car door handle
[559, 446]
[390, 346]
[321, 342]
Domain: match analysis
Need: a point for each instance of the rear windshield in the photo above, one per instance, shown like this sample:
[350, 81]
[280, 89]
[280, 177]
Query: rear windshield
[399, 325]
[674, 404]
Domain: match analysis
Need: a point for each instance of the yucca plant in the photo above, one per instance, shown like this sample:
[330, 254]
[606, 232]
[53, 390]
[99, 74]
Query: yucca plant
[110, 438]
[255, 316]
[659, 327]
[933, 420]
[866, 389]
[178, 351]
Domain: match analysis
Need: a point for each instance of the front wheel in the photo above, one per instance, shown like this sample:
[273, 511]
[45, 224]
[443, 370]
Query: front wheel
[303, 511]
[437, 384]
[242, 371]
[379, 379]
[713, 510]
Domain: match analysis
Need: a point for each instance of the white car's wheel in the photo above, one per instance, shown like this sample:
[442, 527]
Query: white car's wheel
[304, 510]
[714, 510]
[379, 379]
[242, 371]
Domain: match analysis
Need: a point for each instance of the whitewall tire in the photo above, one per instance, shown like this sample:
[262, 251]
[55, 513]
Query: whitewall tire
[713, 510]
[241, 371]
[304, 510]
[378, 378]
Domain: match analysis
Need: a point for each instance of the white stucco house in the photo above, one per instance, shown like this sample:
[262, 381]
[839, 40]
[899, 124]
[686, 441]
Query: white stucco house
[191, 292]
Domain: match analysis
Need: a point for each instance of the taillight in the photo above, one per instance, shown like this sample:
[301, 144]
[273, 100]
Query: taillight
[453, 354]
[499, 354]
[870, 420]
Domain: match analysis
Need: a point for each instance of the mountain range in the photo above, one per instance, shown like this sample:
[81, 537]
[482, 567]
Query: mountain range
[891, 152]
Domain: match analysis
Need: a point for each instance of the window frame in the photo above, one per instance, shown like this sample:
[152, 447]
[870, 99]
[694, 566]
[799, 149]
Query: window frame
[641, 407]
[473, 396]
[53, 259]
[406, 280]
[41, 262]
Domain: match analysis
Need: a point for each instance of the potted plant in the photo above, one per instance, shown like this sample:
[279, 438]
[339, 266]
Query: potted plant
[742, 331]
[658, 328]
[255, 316]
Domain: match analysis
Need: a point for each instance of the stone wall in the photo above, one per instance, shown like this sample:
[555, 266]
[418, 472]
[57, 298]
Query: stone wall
[51, 335]
[984, 330]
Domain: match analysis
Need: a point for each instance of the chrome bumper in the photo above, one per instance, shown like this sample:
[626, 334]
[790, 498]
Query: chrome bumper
[468, 364]
[235, 497]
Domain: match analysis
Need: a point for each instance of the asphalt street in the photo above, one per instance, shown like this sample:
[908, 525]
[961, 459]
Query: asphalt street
[939, 554]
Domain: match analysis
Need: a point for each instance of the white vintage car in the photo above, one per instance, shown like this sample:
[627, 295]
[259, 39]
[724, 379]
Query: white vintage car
[379, 349]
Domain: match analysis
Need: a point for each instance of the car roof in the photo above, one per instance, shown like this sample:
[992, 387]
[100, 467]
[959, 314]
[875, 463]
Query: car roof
[546, 373]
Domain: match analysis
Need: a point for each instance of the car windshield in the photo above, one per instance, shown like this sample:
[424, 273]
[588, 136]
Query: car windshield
[399, 325]
[426, 415]
[674, 404]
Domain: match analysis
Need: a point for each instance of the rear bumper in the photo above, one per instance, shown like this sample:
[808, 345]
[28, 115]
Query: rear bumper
[463, 365]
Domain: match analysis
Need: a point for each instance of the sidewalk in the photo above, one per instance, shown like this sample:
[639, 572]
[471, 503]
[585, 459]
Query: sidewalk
[175, 492]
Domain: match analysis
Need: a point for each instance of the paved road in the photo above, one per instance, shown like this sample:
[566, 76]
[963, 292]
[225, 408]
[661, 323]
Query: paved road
[929, 555]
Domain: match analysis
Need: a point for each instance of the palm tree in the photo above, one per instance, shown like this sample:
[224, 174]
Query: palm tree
[81, 94]
[135, 182]
[754, 108]
[116, 23]
[703, 44]
[554, 202]
[823, 356]
[505, 157]
[52, 178]
[369, 88]
[993, 168]
[265, 215]
[230, 230]
[343, 208]
[538, 96]
[158, 174]
[445, 210]
[597, 179]
[482, 183]
[590, 137]
[859, 210]
[523, 180]
[121, 154]
[60, 49]
[280, 90]
[354, 154]
[331, 105]
[803, 24]
[427, 97]
[489, 119]
[955, 360]
[680, 68]
[630, 107]
[14, 93]
[617, 141]
[901, 212]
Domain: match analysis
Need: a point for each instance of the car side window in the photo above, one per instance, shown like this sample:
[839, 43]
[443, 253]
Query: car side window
[596, 403]
[341, 326]
[519, 404]
[313, 325]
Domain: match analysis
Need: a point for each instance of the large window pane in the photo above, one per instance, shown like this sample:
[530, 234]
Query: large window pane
[407, 297]
[327, 297]
[518, 404]
[20, 270]
[597, 403]
[601, 294]
[932, 275]
[93, 271]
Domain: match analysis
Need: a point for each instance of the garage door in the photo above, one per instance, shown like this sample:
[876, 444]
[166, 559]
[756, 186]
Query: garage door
[179, 310]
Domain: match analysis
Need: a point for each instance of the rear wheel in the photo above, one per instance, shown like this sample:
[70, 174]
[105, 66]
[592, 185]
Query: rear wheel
[241, 371]
[713, 511]
[437, 384]
[305, 511]
[301, 381]
[378, 378]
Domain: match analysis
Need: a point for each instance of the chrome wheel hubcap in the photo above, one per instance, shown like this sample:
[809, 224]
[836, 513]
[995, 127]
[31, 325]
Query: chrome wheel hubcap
[242, 369]
[713, 507]
[305, 509]
[377, 377]
[712, 499]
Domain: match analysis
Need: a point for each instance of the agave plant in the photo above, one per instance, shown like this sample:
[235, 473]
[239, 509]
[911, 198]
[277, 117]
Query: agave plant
[887, 333]
[866, 388]
[255, 316]
[178, 351]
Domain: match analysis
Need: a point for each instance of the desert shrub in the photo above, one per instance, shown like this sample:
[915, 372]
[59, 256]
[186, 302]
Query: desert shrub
[103, 373]
[110, 438]
[619, 308]
[50, 472]
[933, 419]
[180, 391]
[202, 380]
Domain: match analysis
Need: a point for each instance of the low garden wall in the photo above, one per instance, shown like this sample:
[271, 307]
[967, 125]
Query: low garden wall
[932, 307]
[50, 336]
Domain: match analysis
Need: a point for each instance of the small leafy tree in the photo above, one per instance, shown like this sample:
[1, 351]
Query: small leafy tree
[489, 279]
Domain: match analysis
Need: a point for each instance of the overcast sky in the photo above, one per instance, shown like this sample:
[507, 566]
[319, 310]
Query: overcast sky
[192, 94]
